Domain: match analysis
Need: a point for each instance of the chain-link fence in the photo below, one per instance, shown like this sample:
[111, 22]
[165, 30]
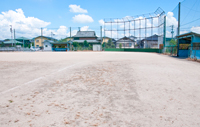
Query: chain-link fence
[183, 19]
[141, 31]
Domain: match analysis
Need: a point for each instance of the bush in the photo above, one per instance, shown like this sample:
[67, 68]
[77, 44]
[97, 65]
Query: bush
[90, 47]
[120, 45]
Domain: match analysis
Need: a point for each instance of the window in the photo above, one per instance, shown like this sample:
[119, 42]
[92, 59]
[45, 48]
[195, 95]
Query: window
[37, 40]
[37, 46]
[46, 45]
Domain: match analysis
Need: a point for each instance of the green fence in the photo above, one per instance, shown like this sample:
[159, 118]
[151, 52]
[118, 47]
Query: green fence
[134, 50]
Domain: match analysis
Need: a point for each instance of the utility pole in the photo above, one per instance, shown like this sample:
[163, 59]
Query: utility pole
[70, 33]
[164, 32]
[172, 32]
[179, 21]
[11, 34]
[101, 33]
[179, 17]
[70, 37]
[51, 35]
[41, 35]
[14, 37]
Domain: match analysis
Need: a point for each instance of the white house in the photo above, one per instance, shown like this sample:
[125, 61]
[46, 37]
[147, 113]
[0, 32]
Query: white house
[47, 44]
[126, 42]
[151, 42]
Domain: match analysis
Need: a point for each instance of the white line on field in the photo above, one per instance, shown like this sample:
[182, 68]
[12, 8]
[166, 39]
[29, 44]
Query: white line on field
[10, 90]
[33, 80]
[39, 78]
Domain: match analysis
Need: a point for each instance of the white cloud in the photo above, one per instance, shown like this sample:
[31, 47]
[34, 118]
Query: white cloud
[61, 32]
[183, 32]
[171, 20]
[101, 22]
[24, 26]
[82, 18]
[77, 9]
[195, 29]
[27, 26]
[84, 28]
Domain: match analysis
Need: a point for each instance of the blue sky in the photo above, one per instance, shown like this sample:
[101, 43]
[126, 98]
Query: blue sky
[56, 13]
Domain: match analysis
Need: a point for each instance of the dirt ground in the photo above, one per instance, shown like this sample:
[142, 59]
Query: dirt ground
[47, 89]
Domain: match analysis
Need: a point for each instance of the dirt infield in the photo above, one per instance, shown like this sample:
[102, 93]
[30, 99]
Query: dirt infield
[42, 89]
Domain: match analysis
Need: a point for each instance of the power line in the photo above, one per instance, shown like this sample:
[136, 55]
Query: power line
[191, 22]
[189, 11]
[190, 8]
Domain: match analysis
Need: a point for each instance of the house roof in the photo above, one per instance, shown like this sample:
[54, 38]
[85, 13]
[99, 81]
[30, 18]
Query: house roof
[187, 34]
[152, 38]
[126, 38]
[22, 38]
[85, 34]
[10, 42]
[89, 41]
[99, 38]
[50, 38]
[133, 37]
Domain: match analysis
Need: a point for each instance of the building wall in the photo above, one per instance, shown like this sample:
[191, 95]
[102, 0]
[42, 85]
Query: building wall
[87, 38]
[96, 47]
[39, 42]
[150, 44]
[196, 39]
[195, 51]
[47, 46]
[68, 39]
[105, 40]
[126, 45]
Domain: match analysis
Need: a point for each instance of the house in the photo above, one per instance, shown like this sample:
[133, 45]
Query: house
[189, 45]
[150, 42]
[89, 36]
[11, 43]
[38, 41]
[106, 39]
[126, 42]
[25, 41]
[49, 45]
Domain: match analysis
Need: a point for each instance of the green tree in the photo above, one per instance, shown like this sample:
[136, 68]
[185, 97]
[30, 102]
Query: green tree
[109, 43]
[18, 43]
[90, 47]
[75, 44]
[112, 46]
[2, 44]
[173, 42]
[120, 45]
[85, 43]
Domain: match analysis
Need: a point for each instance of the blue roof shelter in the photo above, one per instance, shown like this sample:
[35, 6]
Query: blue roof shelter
[189, 45]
